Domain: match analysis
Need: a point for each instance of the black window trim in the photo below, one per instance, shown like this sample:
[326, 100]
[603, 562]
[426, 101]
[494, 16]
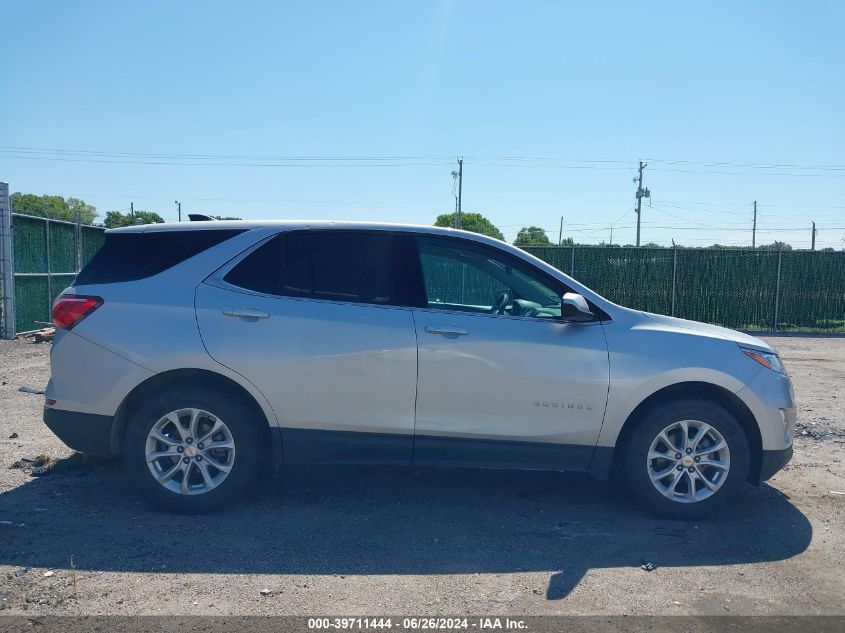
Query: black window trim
[422, 298]
[400, 246]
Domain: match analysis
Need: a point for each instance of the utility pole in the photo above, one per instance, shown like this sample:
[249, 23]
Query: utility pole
[641, 193]
[611, 236]
[813, 243]
[460, 187]
[178, 209]
[754, 229]
[455, 196]
[132, 211]
[560, 233]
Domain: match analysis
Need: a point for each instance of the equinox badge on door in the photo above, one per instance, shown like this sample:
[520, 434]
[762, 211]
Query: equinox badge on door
[563, 405]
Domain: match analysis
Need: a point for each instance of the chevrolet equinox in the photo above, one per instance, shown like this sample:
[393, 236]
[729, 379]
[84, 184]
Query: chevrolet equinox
[208, 353]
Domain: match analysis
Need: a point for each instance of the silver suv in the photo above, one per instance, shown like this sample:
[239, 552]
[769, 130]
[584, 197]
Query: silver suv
[209, 353]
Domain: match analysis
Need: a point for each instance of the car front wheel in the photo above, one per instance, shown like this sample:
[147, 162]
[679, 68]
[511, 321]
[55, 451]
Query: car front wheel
[686, 458]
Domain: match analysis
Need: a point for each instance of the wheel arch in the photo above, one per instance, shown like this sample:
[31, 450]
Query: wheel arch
[206, 379]
[705, 391]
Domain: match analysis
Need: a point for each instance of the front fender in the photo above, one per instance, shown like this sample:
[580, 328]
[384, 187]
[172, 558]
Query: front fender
[646, 356]
[625, 398]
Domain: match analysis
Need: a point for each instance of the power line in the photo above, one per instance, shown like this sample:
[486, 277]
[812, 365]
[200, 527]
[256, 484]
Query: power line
[672, 227]
[740, 213]
[229, 164]
[259, 160]
[622, 217]
[679, 217]
[762, 205]
[250, 200]
[269, 157]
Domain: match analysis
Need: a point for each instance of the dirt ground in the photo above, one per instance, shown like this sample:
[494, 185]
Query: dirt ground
[356, 541]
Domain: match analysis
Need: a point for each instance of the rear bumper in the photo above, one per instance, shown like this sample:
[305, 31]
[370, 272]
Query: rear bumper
[773, 461]
[83, 432]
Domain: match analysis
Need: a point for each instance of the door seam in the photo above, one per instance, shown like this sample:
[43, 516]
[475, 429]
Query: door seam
[416, 386]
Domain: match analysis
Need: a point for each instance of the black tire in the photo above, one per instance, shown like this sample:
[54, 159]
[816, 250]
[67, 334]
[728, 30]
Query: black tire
[244, 429]
[635, 454]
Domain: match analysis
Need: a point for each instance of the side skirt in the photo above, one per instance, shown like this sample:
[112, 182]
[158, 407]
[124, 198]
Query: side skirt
[312, 446]
[506, 454]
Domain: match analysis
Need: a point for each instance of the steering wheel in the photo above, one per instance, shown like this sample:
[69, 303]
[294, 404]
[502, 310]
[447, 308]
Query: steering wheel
[501, 302]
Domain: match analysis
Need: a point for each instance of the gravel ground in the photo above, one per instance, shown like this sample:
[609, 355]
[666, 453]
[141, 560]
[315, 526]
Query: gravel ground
[79, 540]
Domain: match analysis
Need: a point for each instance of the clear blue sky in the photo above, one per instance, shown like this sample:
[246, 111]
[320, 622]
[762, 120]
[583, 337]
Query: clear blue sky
[740, 83]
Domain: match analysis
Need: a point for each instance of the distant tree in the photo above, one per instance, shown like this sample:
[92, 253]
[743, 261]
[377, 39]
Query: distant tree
[87, 212]
[474, 222]
[54, 207]
[224, 217]
[532, 236]
[774, 246]
[115, 219]
[567, 241]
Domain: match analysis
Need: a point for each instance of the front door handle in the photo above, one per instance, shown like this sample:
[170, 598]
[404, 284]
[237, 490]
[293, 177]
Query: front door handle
[447, 330]
[247, 313]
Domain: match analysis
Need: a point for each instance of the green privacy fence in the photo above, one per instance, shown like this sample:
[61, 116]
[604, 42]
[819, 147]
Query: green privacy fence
[742, 289]
[451, 281]
[47, 255]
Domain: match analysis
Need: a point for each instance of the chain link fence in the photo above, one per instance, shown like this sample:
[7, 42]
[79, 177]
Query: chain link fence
[740, 289]
[47, 255]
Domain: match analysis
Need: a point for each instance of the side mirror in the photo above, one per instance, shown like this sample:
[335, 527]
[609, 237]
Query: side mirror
[573, 307]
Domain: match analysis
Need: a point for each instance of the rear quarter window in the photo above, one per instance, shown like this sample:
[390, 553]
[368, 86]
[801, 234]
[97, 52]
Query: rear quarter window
[133, 256]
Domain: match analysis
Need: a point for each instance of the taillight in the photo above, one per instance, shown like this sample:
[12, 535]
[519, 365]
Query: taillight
[71, 309]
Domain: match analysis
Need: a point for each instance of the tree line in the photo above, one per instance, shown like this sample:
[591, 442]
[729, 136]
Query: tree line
[68, 209]
[71, 209]
[537, 236]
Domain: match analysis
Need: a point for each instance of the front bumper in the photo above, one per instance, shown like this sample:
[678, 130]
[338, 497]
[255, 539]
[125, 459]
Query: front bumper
[83, 432]
[773, 461]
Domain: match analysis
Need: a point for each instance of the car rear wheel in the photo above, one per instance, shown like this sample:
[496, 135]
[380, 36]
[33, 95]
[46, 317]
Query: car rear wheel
[687, 458]
[192, 450]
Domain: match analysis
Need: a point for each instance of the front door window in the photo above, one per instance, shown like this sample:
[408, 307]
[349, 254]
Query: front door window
[469, 278]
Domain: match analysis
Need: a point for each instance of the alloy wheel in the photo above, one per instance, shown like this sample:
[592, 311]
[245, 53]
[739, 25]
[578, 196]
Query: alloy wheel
[688, 461]
[190, 451]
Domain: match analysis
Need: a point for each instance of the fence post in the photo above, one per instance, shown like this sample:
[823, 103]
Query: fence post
[777, 290]
[674, 275]
[7, 266]
[572, 263]
[49, 269]
[77, 241]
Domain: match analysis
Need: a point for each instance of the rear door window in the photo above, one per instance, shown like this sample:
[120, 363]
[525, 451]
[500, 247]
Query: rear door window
[358, 267]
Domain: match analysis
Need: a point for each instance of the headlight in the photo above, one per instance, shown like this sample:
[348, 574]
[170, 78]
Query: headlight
[770, 361]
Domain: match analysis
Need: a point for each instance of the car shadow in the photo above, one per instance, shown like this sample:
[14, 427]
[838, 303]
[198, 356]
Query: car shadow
[357, 520]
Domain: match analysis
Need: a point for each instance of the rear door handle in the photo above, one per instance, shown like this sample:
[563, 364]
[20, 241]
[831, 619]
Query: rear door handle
[247, 313]
[447, 330]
